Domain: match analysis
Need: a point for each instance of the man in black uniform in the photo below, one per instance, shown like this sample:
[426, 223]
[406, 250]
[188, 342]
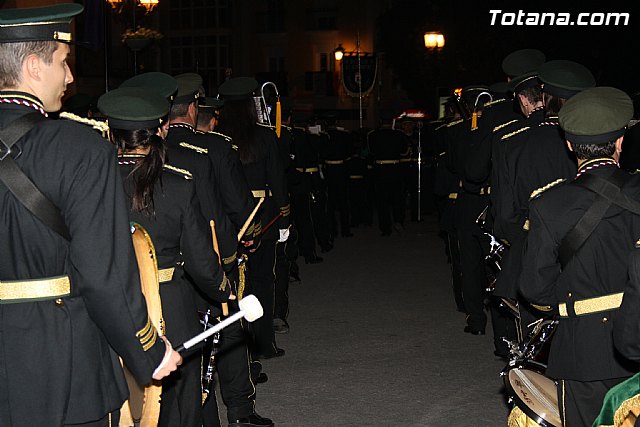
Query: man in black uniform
[337, 152]
[537, 156]
[230, 189]
[576, 258]
[386, 145]
[66, 302]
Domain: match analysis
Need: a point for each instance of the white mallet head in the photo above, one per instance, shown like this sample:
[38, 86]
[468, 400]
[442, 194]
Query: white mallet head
[251, 308]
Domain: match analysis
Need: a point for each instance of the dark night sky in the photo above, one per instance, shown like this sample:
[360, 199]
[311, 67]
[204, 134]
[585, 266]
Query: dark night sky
[474, 49]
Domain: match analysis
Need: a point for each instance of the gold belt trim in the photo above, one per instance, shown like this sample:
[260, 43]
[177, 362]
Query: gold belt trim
[593, 305]
[307, 170]
[33, 290]
[408, 160]
[166, 274]
[453, 196]
[356, 176]
[387, 162]
[260, 193]
[334, 162]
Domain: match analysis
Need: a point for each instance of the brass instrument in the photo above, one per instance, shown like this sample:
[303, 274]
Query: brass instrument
[263, 109]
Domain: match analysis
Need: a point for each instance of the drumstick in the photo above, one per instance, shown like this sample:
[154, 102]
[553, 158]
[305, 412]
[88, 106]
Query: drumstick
[250, 309]
[214, 237]
[248, 221]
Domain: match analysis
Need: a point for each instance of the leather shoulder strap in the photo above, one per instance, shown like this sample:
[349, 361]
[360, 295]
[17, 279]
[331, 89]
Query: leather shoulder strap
[19, 183]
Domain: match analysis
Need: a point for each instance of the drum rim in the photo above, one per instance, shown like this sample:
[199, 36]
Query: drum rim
[520, 403]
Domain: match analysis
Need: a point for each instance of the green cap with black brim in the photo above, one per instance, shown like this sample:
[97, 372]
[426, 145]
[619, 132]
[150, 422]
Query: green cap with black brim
[161, 83]
[565, 78]
[210, 102]
[522, 61]
[596, 116]
[133, 108]
[189, 85]
[50, 23]
[238, 88]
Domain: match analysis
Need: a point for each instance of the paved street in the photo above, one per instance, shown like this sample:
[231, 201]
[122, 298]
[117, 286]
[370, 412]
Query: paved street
[376, 341]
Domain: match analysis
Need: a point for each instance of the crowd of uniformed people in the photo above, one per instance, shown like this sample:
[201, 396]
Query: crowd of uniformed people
[222, 204]
[539, 222]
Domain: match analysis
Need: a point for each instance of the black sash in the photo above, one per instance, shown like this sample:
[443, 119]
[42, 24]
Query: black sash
[19, 184]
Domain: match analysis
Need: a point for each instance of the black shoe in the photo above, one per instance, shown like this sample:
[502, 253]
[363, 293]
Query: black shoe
[294, 272]
[472, 331]
[253, 420]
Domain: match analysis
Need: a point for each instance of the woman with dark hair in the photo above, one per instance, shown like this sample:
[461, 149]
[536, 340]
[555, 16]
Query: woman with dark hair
[162, 199]
[258, 150]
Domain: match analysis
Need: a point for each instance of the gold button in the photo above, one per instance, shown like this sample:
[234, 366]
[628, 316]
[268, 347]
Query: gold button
[60, 302]
[569, 294]
[605, 320]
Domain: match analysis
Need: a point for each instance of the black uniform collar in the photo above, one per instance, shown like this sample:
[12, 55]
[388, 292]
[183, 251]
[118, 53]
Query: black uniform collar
[129, 158]
[182, 125]
[22, 98]
[590, 165]
[536, 112]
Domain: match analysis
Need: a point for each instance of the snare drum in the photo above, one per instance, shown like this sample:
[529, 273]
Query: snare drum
[535, 398]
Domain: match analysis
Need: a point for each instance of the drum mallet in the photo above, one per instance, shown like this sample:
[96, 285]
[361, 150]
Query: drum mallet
[250, 309]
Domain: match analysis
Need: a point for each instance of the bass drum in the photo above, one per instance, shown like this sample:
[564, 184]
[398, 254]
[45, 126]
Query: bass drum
[534, 395]
[143, 406]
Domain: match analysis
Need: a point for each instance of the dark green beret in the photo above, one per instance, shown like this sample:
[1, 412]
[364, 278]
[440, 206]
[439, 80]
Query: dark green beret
[161, 83]
[189, 85]
[565, 78]
[211, 102]
[238, 88]
[133, 108]
[51, 23]
[596, 115]
[522, 61]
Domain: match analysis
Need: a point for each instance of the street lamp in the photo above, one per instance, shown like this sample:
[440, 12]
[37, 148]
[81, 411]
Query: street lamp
[433, 40]
[339, 52]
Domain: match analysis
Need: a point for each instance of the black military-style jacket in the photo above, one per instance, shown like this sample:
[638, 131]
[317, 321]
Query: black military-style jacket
[266, 177]
[181, 239]
[58, 364]
[305, 163]
[225, 200]
[386, 146]
[582, 347]
[626, 329]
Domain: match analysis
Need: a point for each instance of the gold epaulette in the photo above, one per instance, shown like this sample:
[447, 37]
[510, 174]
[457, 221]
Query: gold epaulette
[227, 137]
[234, 146]
[183, 173]
[541, 190]
[230, 259]
[285, 210]
[497, 101]
[194, 148]
[545, 308]
[515, 132]
[497, 128]
[455, 122]
[102, 127]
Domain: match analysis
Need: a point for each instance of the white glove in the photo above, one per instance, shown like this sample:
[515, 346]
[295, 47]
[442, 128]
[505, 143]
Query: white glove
[284, 235]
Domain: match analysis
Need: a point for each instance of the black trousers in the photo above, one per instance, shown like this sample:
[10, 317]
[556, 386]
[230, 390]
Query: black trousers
[358, 201]
[301, 210]
[260, 281]
[338, 201]
[453, 251]
[283, 265]
[388, 197]
[474, 278]
[580, 402]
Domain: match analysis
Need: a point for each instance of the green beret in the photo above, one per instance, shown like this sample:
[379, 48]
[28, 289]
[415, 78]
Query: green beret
[238, 88]
[51, 23]
[211, 102]
[161, 83]
[596, 115]
[565, 78]
[189, 85]
[522, 61]
[133, 108]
